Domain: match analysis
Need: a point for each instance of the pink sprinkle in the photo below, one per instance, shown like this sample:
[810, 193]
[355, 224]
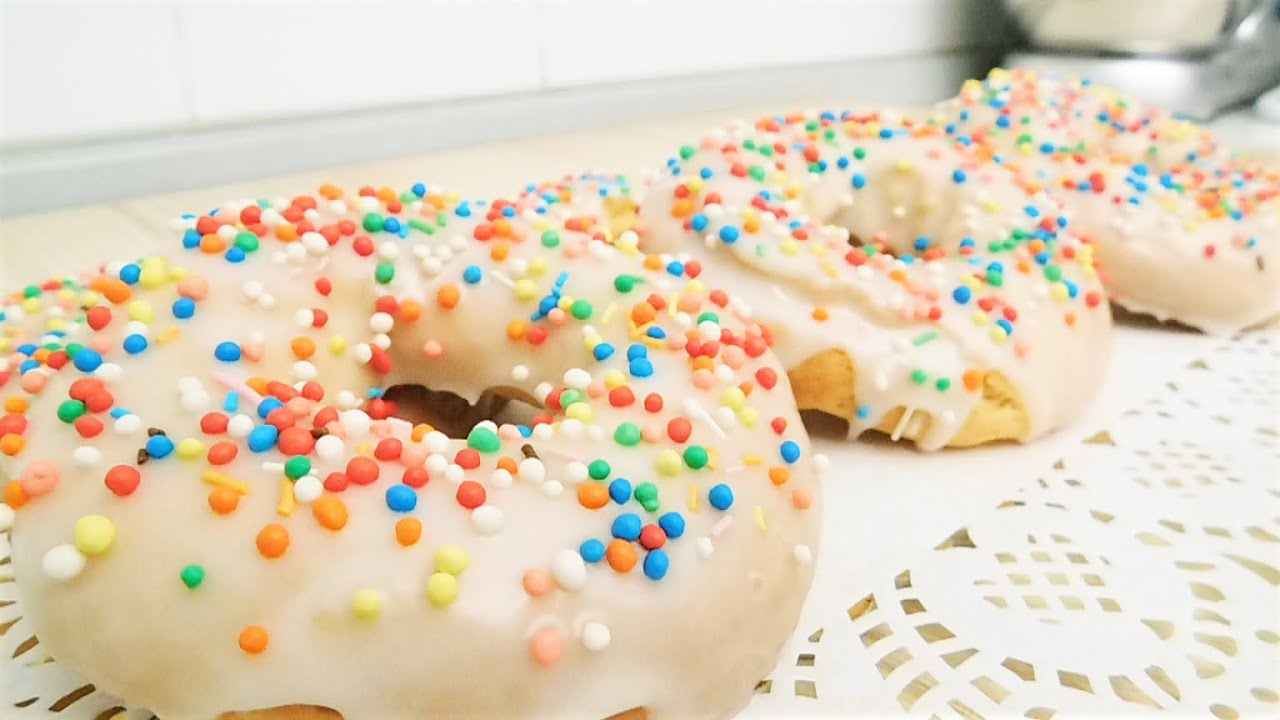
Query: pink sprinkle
[231, 383]
[507, 431]
[253, 351]
[718, 529]
[33, 382]
[196, 288]
[651, 433]
[432, 349]
[100, 343]
[734, 356]
[703, 379]
[596, 388]
[39, 478]
[557, 317]
[414, 455]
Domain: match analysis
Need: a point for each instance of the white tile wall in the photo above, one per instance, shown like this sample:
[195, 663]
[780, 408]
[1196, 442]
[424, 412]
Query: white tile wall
[76, 70]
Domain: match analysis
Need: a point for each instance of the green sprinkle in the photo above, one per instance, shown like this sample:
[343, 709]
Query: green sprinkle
[598, 469]
[918, 376]
[421, 226]
[627, 435]
[687, 151]
[756, 172]
[73, 349]
[31, 291]
[1053, 273]
[695, 456]
[704, 317]
[647, 495]
[384, 273]
[942, 384]
[550, 239]
[372, 222]
[483, 439]
[569, 397]
[192, 576]
[247, 242]
[925, 338]
[859, 153]
[581, 309]
[296, 467]
[995, 278]
[70, 410]
[626, 283]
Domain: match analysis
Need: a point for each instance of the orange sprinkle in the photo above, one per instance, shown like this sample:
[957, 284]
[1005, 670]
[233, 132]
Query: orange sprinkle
[410, 310]
[330, 512]
[259, 385]
[747, 388]
[224, 500]
[546, 646]
[303, 347]
[508, 464]
[273, 540]
[499, 251]
[682, 208]
[593, 495]
[14, 496]
[779, 475]
[820, 314]
[537, 582]
[643, 313]
[801, 499]
[287, 232]
[621, 555]
[113, 289]
[329, 191]
[973, 380]
[751, 225]
[420, 431]
[502, 227]
[1071, 319]
[12, 444]
[515, 329]
[898, 275]
[254, 640]
[448, 296]
[212, 244]
[408, 531]
[652, 262]
[16, 405]
[702, 362]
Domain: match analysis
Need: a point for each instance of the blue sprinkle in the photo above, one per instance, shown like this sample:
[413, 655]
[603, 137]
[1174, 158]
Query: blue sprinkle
[87, 360]
[401, 498]
[263, 438]
[1005, 325]
[637, 351]
[472, 274]
[1042, 258]
[698, 222]
[159, 446]
[657, 333]
[1032, 211]
[508, 211]
[842, 163]
[958, 177]
[706, 173]
[184, 308]
[27, 366]
[419, 189]
[863, 412]
[463, 210]
[729, 234]
[130, 273]
[790, 451]
[626, 526]
[922, 243]
[391, 225]
[135, 344]
[117, 412]
[672, 524]
[232, 402]
[227, 352]
[234, 255]
[28, 349]
[1047, 148]
[267, 405]
[1072, 288]
[1002, 121]
[676, 268]
[656, 564]
[859, 180]
[620, 491]
[602, 351]
[525, 431]
[720, 497]
[961, 294]
[592, 551]
[886, 133]
[641, 367]
[191, 239]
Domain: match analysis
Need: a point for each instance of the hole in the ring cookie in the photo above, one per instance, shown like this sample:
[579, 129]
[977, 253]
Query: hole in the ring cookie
[453, 415]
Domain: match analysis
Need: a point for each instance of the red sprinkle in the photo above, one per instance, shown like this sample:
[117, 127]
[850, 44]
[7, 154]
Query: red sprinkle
[123, 480]
[471, 494]
[362, 470]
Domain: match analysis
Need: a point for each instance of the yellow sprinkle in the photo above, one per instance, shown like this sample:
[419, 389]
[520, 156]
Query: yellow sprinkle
[671, 304]
[579, 411]
[695, 185]
[713, 458]
[153, 273]
[288, 502]
[608, 312]
[669, 463]
[337, 344]
[538, 266]
[566, 302]
[748, 415]
[66, 296]
[828, 268]
[168, 335]
[364, 450]
[442, 589]
[614, 379]
[94, 535]
[57, 324]
[733, 397]
[998, 335]
[452, 559]
[789, 247]
[526, 290]
[1058, 291]
[31, 306]
[693, 498]
[213, 477]
[980, 318]
[697, 286]
[89, 299]
[177, 274]
[904, 165]
[752, 460]
[791, 191]
[141, 311]
[366, 604]
[760, 523]
[190, 449]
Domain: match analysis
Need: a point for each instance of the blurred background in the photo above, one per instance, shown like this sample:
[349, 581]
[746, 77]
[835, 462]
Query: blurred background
[109, 100]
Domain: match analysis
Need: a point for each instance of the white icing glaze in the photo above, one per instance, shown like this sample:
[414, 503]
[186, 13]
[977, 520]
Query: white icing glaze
[354, 618]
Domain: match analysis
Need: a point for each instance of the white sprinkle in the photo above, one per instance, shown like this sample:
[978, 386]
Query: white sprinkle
[86, 456]
[500, 479]
[454, 474]
[948, 417]
[487, 520]
[595, 433]
[880, 381]
[135, 327]
[267, 300]
[381, 322]
[721, 526]
[63, 563]
[188, 384]
[575, 473]
[6, 517]
[252, 289]
[821, 462]
[532, 470]
[436, 464]
[109, 372]
[363, 353]
[693, 407]
[704, 546]
[347, 400]
[329, 447]
[315, 243]
[239, 426]
[355, 422]
[552, 488]
[902, 424]
[802, 554]
[431, 266]
[709, 329]
[520, 373]
[388, 251]
[305, 370]
[541, 391]
[273, 467]
[542, 432]
[195, 402]
[725, 417]
[436, 441]
[577, 378]
[569, 570]
[308, 489]
[128, 424]
[571, 428]
[488, 425]
[596, 636]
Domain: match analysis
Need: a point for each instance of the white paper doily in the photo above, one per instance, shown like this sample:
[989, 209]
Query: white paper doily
[1130, 569]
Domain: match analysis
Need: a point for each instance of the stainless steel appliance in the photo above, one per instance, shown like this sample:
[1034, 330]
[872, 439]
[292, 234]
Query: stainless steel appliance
[1194, 57]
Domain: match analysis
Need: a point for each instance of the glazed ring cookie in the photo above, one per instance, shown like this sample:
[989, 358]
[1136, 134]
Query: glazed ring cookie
[1185, 231]
[911, 288]
[221, 508]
